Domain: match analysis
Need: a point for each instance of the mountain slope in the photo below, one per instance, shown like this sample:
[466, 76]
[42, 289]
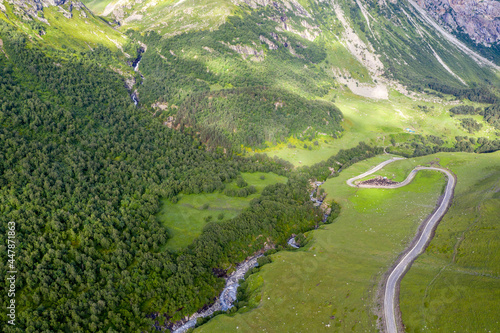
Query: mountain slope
[83, 170]
[305, 49]
[479, 20]
[397, 30]
[62, 24]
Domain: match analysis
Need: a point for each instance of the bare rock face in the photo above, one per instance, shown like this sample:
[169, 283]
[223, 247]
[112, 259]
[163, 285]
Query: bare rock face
[479, 19]
[33, 9]
[35, 5]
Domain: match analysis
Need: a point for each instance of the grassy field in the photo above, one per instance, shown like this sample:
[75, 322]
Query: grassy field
[330, 285]
[97, 6]
[376, 120]
[80, 32]
[165, 15]
[186, 218]
[455, 284]
[85, 32]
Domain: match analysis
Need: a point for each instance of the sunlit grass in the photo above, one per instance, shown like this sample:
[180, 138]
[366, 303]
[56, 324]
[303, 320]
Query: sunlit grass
[330, 285]
[186, 218]
[80, 31]
[375, 120]
[455, 284]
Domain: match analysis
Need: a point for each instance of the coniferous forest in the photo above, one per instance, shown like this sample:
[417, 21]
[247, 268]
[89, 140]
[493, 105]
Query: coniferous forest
[82, 172]
[85, 169]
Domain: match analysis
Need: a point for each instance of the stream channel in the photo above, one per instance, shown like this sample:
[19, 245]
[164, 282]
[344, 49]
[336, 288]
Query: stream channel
[228, 295]
[135, 66]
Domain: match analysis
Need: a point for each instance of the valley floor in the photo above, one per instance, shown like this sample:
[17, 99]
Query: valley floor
[331, 283]
[376, 120]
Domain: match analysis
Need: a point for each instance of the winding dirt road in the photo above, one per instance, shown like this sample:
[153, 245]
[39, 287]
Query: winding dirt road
[392, 315]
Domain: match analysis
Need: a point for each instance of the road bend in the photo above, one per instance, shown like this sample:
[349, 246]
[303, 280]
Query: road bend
[391, 311]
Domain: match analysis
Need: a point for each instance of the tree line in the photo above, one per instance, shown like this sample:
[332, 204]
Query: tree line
[82, 172]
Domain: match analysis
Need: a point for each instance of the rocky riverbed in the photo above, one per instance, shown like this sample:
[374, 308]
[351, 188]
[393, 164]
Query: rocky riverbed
[226, 298]
[317, 202]
[228, 294]
[135, 66]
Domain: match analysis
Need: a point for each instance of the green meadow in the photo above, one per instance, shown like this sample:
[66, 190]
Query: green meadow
[165, 14]
[376, 120]
[86, 32]
[455, 284]
[186, 218]
[97, 6]
[331, 284]
[83, 31]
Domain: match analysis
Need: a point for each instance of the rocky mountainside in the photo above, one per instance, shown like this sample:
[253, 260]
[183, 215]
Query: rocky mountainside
[33, 9]
[480, 20]
[61, 25]
[370, 47]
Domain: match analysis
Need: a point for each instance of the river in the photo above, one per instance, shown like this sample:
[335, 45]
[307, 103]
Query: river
[228, 294]
[226, 298]
[135, 66]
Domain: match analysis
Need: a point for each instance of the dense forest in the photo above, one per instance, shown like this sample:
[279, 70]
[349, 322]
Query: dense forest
[81, 173]
[209, 81]
[252, 116]
[491, 114]
[420, 145]
[82, 170]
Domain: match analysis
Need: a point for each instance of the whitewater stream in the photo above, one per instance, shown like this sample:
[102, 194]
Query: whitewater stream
[228, 294]
[226, 298]
[135, 66]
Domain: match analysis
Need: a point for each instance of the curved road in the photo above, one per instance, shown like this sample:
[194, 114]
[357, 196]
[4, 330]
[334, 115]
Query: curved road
[391, 305]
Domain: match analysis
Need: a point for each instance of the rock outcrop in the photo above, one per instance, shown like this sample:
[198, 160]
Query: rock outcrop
[33, 9]
[479, 19]
[247, 51]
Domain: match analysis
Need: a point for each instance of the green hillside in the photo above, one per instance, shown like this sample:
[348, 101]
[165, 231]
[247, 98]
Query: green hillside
[82, 175]
[252, 51]
[82, 31]
[148, 147]
[332, 283]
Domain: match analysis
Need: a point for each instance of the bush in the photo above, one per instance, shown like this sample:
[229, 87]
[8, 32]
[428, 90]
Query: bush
[470, 125]
[334, 212]
[240, 182]
[264, 260]
[463, 109]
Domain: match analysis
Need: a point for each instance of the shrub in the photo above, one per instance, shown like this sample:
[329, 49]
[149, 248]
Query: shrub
[470, 125]
[463, 109]
[240, 182]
